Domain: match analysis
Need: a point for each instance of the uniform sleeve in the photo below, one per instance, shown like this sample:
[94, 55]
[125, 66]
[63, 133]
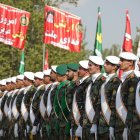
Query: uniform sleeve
[130, 103]
[115, 86]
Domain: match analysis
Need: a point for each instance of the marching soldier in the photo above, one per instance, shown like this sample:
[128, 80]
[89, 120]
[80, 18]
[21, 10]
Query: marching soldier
[72, 76]
[107, 99]
[91, 115]
[45, 127]
[34, 107]
[17, 106]
[25, 104]
[59, 100]
[127, 121]
[78, 105]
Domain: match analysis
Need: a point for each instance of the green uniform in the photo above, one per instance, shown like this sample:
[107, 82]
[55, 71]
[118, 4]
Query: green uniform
[60, 107]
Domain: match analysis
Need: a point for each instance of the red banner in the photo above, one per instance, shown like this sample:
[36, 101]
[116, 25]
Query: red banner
[13, 26]
[62, 29]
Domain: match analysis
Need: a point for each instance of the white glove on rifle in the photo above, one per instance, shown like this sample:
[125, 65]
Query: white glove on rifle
[71, 132]
[16, 130]
[1, 132]
[34, 130]
[78, 132]
[125, 134]
[111, 133]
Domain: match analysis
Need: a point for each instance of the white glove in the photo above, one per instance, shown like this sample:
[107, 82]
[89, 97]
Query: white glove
[93, 129]
[71, 132]
[27, 128]
[34, 130]
[1, 132]
[78, 132]
[16, 130]
[41, 132]
[111, 133]
[125, 134]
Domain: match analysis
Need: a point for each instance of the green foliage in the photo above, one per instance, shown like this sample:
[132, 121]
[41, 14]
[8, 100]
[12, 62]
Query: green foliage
[10, 57]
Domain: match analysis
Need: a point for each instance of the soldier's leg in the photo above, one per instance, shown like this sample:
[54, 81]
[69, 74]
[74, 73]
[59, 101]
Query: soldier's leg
[104, 136]
[118, 135]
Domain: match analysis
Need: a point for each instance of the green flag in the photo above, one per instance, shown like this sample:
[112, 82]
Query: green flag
[21, 68]
[98, 37]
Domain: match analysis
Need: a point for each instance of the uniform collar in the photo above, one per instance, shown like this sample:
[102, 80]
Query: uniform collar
[125, 74]
[94, 76]
[81, 80]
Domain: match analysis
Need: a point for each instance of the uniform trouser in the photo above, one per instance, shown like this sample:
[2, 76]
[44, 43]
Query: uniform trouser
[104, 136]
[132, 135]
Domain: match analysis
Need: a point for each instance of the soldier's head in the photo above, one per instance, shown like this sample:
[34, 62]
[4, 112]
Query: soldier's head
[13, 83]
[72, 72]
[53, 73]
[38, 78]
[61, 71]
[20, 81]
[83, 68]
[8, 84]
[3, 85]
[28, 78]
[47, 78]
[111, 64]
[95, 64]
[127, 61]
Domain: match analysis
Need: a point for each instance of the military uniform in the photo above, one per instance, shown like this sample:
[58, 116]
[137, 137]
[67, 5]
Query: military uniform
[110, 94]
[94, 97]
[128, 89]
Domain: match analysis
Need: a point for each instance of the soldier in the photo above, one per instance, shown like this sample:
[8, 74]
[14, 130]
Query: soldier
[34, 107]
[72, 76]
[107, 99]
[2, 102]
[25, 104]
[58, 104]
[17, 106]
[45, 127]
[50, 110]
[78, 105]
[127, 121]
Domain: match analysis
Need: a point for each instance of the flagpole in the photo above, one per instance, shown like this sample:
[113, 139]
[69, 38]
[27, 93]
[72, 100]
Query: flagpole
[43, 55]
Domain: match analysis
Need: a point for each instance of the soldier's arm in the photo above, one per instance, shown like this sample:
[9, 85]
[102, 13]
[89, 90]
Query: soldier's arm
[116, 83]
[130, 101]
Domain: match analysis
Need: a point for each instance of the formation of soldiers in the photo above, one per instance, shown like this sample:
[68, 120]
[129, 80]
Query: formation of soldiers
[73, 101]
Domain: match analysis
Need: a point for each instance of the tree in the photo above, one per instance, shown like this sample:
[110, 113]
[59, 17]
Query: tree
[10, 57]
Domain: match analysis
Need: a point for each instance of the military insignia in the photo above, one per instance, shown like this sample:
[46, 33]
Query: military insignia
[114, 92]
[103, 78]
[131, 89]
[132, 76]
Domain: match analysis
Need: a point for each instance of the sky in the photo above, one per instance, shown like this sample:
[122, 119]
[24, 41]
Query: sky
[113, 19]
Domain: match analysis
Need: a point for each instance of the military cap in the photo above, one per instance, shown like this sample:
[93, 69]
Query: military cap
[61, 69]
[8, 80]
[53, 67]
[113, 59]
[29, 75]
[39, 75]
[96, 60]
[47, 72]
[128, 56]
[73, 66]
[3, 82]
[13, 79]
[84, 64]
[20, 77]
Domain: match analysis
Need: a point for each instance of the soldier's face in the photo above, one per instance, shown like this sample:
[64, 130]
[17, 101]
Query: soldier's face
[53, 76]
[92, 68]
[70, 75]
[125, 65]
[60, 78]
[109, 68]
[139, 64]
[46, 79]
[81, 72]
[37, 82]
